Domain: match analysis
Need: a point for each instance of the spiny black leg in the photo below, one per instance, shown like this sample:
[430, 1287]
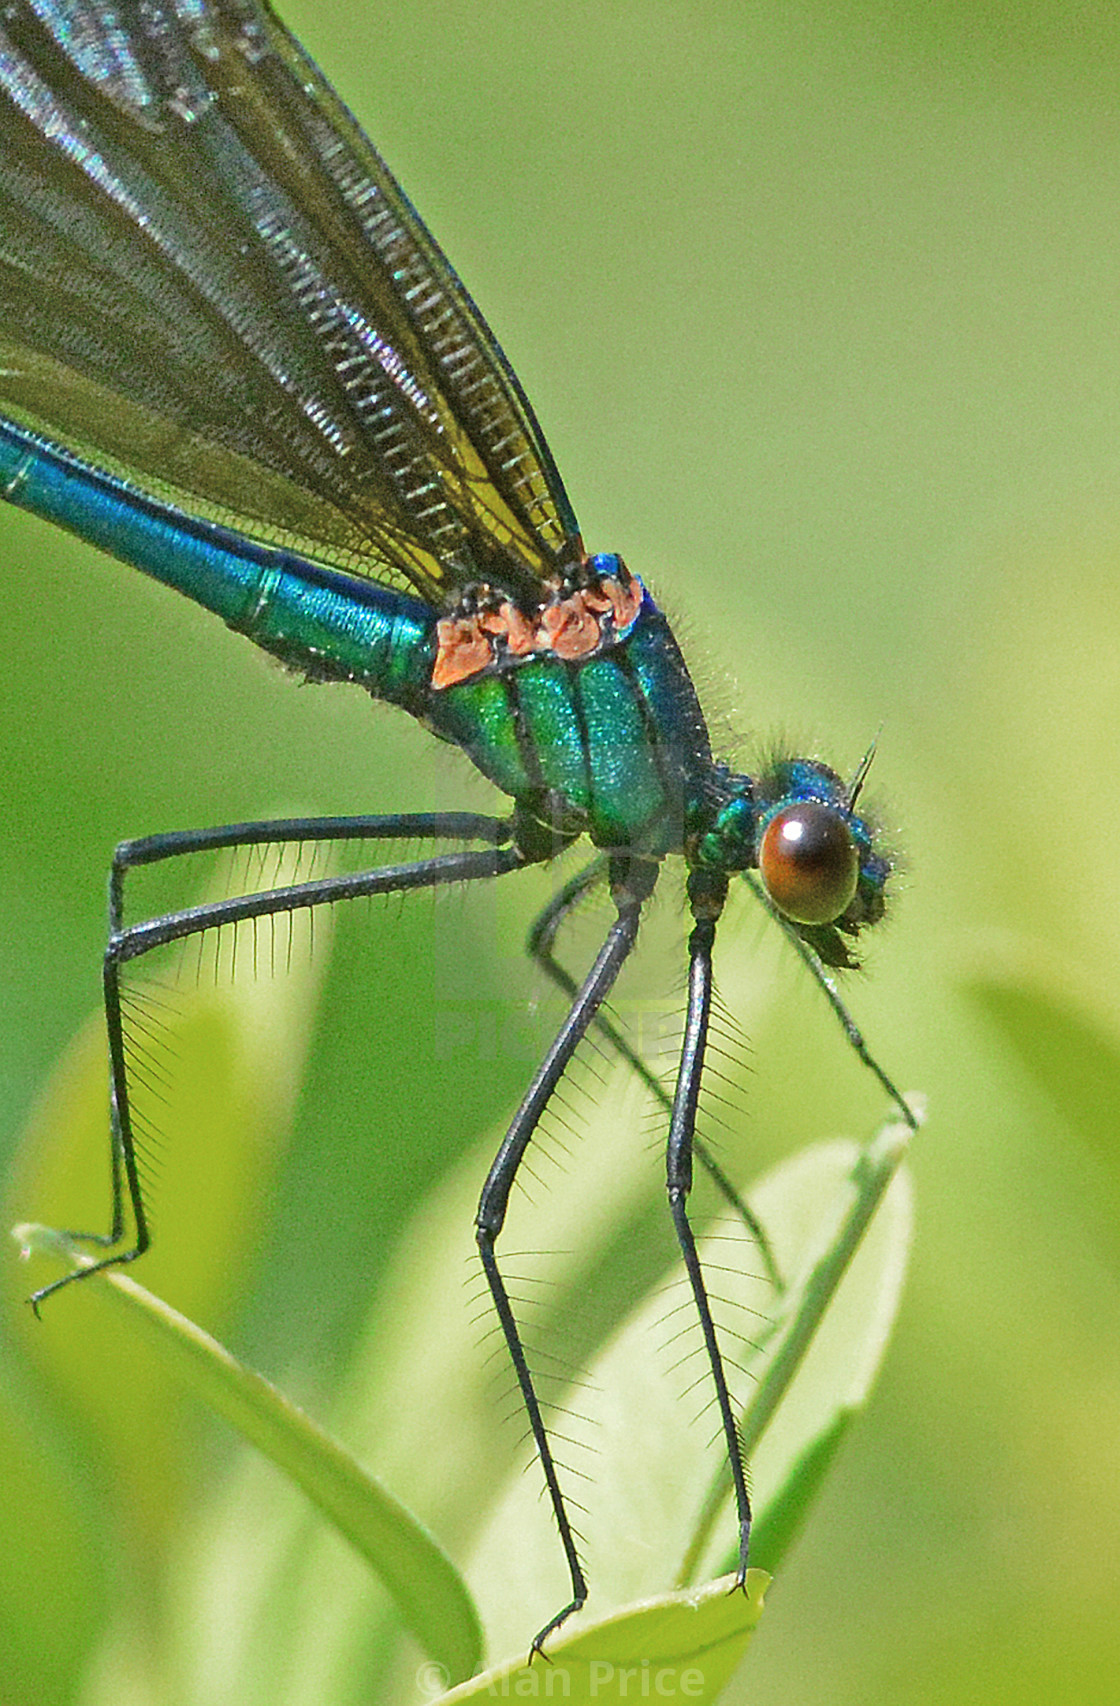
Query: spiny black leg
[540, 944]
[631, 885]
[407, 826]
[174, 844]
[131, 942]
[832, 995]
[706, 895]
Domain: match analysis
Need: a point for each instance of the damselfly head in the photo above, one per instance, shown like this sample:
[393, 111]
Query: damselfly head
[817, 860]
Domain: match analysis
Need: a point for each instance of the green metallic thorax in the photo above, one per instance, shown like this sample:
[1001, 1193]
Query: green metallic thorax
[613, 745]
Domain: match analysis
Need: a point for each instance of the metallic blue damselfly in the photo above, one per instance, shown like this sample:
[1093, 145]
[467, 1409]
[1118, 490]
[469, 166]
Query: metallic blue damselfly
[234, 357]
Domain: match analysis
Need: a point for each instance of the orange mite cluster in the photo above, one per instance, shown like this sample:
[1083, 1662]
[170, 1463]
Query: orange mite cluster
[570, 626]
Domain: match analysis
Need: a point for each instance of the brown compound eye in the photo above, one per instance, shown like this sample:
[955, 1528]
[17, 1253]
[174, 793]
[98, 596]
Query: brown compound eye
[809, 863]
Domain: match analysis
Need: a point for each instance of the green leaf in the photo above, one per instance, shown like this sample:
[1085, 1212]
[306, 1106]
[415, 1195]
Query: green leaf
[680, 1646]
[645, 1460]
[430, 1594]
[780, 1520]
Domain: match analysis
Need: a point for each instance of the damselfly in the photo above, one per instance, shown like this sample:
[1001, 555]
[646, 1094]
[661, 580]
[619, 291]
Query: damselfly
[233, 356]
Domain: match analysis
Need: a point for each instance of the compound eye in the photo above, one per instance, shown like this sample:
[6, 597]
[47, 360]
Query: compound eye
[809, 862]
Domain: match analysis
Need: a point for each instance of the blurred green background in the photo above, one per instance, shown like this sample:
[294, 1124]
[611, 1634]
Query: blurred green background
[820, 309]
